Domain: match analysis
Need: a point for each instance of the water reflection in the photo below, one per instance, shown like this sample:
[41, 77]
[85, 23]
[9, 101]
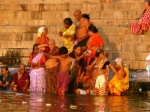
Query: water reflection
[38, 102]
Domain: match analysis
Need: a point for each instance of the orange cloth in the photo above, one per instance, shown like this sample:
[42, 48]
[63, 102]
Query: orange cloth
[40, 62]
[117, 86]
[94, 41]
[44, 40]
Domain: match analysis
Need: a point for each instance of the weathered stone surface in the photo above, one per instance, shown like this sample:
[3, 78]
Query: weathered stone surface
[20, 20]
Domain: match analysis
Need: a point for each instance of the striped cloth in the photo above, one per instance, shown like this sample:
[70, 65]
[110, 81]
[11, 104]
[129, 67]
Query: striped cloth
[143, 24]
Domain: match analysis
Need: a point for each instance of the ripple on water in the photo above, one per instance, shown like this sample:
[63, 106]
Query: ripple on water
[38, 102]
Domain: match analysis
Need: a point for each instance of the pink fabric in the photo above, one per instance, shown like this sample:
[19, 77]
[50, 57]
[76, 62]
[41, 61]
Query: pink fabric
[37, 76]
[143, 23]
[62, 81]
[37, 80]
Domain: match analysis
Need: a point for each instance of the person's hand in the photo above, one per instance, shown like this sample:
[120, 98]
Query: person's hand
[15, 88]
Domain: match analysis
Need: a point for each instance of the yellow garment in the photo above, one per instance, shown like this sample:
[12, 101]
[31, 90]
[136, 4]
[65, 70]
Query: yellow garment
[117, 86]
[68, 42]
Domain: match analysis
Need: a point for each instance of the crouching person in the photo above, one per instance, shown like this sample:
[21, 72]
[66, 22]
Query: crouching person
[120, 82]
[83, 83]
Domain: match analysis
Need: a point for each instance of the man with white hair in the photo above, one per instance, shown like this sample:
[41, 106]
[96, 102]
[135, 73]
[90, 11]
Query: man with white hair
[42, 38]
[120, 82]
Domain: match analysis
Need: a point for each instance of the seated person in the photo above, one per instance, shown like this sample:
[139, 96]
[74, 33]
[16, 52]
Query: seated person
[20, 80]
[84, 82]
[120, 82]
[143, 23]
[5, 78]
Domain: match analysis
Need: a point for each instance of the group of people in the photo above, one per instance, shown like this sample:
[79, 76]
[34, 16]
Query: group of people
[80, 66]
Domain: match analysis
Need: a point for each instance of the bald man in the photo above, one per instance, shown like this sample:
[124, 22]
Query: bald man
[82, 25]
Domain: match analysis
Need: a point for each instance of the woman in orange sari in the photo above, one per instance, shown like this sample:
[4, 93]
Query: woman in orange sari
[43, 39]
[95, 41]
[120, 82]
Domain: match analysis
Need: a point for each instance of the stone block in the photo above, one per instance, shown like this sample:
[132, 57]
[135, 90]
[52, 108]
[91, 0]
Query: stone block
[59, 15]
[134, 65]
[16, 22]
[50, 22]
[129, 56]
[145, 38]
[129, 47]
[23, 15]
[141, 56]
[36, 15]
[2, 7]
[32, 7]
[75, 6]
[91, 7]
[143, 47]
[37, 22]
[6, 14]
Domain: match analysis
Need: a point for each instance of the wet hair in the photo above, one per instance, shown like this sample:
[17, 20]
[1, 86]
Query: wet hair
[98, 52]
[63, 50]
[86, 16]
[35, 45]
[75, 46]
[21, 64]
[5, 67]
[148, 1]
[68, 21]
[93, 29]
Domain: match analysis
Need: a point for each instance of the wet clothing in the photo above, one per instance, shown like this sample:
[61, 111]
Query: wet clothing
[8, 78]
[119, 85]
[21, 81]
[51, 81]
[62, 81]
[37, 76]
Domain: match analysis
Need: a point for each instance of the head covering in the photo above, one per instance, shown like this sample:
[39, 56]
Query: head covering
[41, 30]
[118, 60]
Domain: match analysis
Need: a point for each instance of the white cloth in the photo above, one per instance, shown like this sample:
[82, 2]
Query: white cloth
[100, 81]
[40, 31]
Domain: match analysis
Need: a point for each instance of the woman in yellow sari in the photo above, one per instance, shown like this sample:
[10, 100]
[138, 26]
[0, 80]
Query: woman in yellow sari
[120, 82]
[67, 32]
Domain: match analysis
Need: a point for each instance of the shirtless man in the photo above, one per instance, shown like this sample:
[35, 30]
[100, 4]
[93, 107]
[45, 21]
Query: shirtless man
[65, 64]
[82, 25]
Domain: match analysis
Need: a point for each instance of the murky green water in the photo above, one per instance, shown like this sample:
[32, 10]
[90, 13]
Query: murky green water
[36, 102]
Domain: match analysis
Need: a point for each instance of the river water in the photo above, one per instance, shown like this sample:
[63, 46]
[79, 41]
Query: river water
[38, 102]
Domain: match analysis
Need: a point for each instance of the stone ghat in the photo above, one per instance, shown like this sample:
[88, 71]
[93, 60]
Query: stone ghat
[139, 84]
[20, 20]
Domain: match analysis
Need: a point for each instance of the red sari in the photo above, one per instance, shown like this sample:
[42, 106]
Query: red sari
[143, 24]
[94, 41]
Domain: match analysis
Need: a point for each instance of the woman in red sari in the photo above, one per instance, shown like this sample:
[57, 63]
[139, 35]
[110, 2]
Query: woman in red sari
[143, 23]
[95, 41]
[43, 39]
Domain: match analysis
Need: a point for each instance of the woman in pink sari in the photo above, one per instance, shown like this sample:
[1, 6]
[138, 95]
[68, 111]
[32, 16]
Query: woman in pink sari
[37, 73]
[143, 24]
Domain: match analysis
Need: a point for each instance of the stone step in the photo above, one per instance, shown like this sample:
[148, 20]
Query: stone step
[60, 1]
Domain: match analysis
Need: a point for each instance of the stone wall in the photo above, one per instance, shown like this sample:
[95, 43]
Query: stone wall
[20, 19]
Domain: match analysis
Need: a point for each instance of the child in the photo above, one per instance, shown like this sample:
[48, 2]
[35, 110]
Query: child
[64, 67]
[84, 82]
